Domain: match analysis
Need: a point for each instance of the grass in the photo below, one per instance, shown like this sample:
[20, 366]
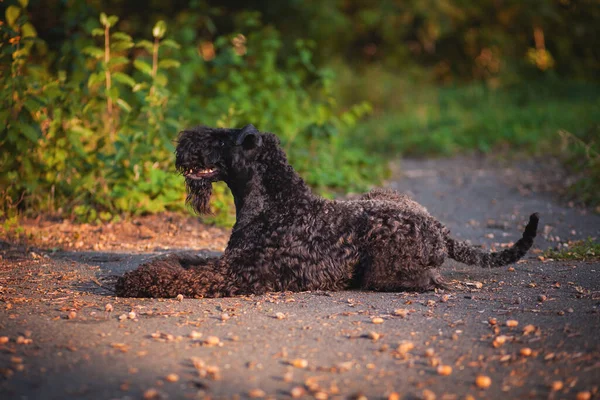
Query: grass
[443, 121]
[544, 118]
[583, 250]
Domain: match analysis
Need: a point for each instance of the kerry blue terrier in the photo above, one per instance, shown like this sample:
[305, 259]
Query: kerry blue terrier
[287, 239]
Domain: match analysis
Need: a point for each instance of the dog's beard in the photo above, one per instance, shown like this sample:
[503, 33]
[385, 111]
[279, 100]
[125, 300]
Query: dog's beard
[198, 197]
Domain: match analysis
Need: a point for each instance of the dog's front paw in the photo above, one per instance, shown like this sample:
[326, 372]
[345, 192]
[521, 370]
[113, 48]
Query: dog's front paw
[153, 279]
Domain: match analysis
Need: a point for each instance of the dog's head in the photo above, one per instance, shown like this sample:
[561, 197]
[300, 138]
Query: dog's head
[206, 155]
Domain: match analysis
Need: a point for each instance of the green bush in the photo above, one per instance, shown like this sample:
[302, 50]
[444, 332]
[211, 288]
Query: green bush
[94, 139]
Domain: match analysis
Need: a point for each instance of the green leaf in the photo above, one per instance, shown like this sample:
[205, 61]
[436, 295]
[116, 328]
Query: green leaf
[24, 3]
[146, 45]
[113, 93]
[103, 19]
[123, 78]
[143, 67]
[118, 61]
[75, 142]
[93, 51]
[170, 43]
[139, 86]
[28, 31]
[12, 13]
[89, 106]
[112, 20]
[124, 105]
[82, 131]
[95, 79]
[159, 29]
[31, 132]
[52, 91]
[97, 32]
[169, 63]
[120, 46]
[33, 105]
[161, 79]
[121, 36]
[21, 54]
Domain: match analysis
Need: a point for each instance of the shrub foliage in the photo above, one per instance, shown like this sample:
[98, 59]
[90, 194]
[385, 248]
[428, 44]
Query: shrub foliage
[95, 139]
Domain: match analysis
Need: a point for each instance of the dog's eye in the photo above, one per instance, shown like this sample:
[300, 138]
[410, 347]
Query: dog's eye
[221, 143]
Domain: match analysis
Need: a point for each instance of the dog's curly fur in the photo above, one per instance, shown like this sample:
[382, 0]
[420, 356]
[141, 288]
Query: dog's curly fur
[286, 238]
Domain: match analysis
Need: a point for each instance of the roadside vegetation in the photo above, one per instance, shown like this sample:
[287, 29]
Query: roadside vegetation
[91, 103]
[542, 118]
[583, 250]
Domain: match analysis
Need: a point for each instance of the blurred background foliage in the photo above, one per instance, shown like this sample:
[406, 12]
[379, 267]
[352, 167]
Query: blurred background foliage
[94, 92]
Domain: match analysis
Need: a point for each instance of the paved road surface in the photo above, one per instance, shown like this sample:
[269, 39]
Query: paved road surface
[63, 344]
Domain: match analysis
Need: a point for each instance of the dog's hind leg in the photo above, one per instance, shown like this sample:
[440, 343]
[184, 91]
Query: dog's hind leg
[429, 279]
[421, 279]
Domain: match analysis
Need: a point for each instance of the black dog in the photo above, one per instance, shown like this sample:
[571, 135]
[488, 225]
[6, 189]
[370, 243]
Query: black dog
[286, 238]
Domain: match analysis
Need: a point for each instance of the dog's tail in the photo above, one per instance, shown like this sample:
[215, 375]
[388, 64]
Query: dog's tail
[467, 254]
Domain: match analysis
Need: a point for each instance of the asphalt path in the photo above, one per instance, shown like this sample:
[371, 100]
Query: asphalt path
[525, 331]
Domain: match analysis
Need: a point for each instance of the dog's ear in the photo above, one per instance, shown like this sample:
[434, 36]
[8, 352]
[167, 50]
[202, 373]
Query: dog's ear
[248, 137]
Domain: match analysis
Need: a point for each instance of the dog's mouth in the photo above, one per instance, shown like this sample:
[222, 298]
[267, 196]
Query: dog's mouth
[200, 173]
